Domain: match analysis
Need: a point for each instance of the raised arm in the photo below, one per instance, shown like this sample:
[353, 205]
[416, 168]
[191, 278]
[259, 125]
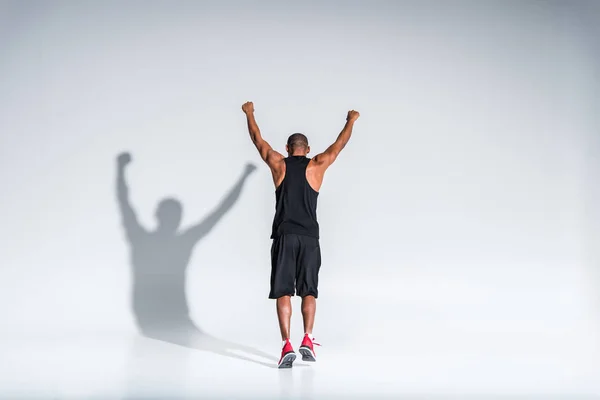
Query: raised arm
[325, 159]
[269, 156]
[128, 216]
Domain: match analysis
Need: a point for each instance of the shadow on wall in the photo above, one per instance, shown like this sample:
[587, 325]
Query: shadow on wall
[159, 260]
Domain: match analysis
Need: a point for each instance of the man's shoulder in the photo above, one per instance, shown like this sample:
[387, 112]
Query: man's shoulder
[278, 164]
[314, 162]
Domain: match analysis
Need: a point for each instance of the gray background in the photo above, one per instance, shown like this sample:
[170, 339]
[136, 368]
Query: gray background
[462, 219]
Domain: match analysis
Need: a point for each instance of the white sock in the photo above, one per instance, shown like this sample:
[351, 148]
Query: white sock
[283, 343]
[310, 336]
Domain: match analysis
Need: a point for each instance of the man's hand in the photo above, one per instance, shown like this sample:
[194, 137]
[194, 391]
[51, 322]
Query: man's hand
[248, 107]
[123, 159]
[352, 115]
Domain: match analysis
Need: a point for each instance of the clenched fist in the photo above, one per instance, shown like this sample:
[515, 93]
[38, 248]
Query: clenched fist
[249, 168]
[123, 159]
[248, 107]
[352, 115]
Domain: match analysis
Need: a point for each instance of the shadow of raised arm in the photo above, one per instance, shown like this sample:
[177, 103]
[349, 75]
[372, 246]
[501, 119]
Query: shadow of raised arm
[129, 218]
[198, 231]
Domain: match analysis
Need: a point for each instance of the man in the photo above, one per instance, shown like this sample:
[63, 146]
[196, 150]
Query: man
[295, 252]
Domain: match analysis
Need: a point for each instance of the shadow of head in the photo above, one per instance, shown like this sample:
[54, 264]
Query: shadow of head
[169, 214]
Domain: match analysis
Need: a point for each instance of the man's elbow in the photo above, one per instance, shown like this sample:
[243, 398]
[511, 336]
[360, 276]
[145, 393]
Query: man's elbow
[256, 136]
[336, 149]
[341, 144]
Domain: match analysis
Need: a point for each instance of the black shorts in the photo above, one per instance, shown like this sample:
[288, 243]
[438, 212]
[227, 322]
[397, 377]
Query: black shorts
[295, 264]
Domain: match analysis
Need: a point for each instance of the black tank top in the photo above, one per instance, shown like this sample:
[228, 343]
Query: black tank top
[295, 201]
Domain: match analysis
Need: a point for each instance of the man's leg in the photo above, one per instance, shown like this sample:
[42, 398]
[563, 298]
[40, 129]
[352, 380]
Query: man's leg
[283, 270]
[307, 284]
[284, 314]
[309, 307]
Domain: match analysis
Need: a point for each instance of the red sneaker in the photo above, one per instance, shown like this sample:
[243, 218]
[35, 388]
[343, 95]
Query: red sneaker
[287, 356]
[307, 350]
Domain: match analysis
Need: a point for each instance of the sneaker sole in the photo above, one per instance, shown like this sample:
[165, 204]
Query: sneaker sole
[307, 354]
[287, 361]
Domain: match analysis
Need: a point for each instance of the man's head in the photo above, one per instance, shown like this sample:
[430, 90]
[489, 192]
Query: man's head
[168, 215]
[297, 145]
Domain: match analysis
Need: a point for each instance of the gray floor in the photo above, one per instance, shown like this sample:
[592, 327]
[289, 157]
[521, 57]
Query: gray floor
[426, 356]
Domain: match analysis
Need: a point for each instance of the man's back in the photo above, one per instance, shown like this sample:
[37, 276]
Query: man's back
[296, 201]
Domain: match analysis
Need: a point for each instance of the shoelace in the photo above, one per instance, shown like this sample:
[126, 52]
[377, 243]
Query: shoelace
[315, 343]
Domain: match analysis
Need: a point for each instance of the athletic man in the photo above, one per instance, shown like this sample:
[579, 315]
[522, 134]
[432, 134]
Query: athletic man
[295, 253]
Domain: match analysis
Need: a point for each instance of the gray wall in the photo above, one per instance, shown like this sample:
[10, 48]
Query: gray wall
[468, 193]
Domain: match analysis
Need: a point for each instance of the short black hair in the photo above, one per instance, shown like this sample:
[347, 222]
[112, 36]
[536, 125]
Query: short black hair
[296, 141]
